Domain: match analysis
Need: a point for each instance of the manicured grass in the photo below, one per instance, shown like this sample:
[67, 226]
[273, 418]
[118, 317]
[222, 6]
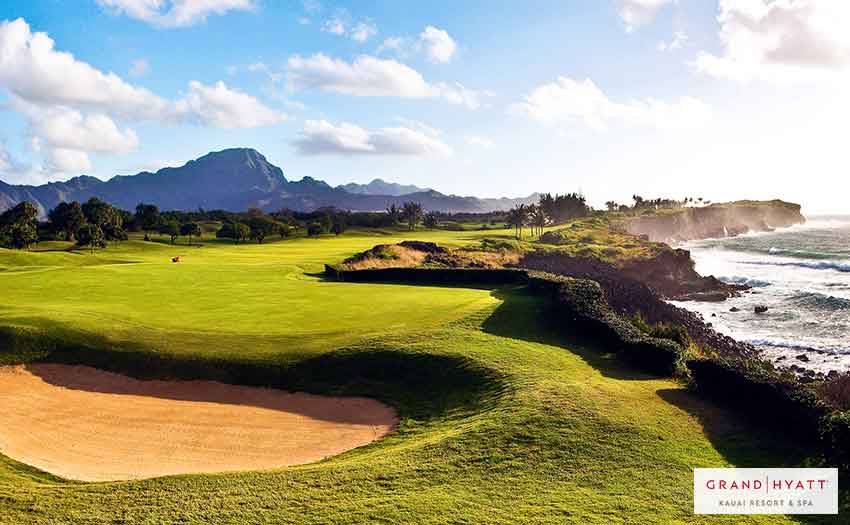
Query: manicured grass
[504, 419]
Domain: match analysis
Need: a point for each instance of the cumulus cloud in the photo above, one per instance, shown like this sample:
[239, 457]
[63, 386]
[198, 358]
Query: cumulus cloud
[341, 24]
[320, 137]
[437, 45]
[567, 102]
[70, 105]
[369, 76]
[780, 40]
[335, 26]
[222, 107]
[636, 13]
[174, 13]
[363, 31]
[65, 128]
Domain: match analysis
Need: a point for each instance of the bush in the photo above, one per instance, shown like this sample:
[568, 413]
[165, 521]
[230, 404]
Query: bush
[835, 435]
[836, 391]
[756, 388]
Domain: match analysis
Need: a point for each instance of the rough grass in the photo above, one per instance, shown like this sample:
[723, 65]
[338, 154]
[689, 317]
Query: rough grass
[596, 238]
[504, 420]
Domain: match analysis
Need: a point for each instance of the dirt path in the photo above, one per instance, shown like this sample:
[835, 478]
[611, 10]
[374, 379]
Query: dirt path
[86, 424]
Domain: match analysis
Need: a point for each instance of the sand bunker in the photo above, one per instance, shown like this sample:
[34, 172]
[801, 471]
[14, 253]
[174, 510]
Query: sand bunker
[86, 424]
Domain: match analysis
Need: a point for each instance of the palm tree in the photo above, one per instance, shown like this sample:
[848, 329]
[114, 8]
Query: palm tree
[412, 213]
[538, 219]
[516, 218]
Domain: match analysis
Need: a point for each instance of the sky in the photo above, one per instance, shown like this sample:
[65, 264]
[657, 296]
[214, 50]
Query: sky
[722, 100]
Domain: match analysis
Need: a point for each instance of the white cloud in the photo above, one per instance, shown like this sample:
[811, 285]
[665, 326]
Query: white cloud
[481, 142]
[369, 76]
[394, 44]
[67, 161]
[303, 20]
[62, 127]
[70, 106]
[174, 13]
[259, 67]
[438, 46]
[33, 70]
[341, 24]
[139, 67]
[567, 101]
[335, 25]
[320, 137]
[222, 107]
[677, 42]
[782, 40]
[363, 31]
[636, 13]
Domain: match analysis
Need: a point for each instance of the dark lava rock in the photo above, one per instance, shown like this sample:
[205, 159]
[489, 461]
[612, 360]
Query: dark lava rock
[782, 358]
[760, 309]
[832, 374]
[802, 357]
[421, 246]
[713, 315]
[734, 309]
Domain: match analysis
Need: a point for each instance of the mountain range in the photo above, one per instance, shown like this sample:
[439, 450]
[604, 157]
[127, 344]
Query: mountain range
[235, 180]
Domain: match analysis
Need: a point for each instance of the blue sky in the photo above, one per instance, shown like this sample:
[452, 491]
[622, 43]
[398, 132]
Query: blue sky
[721, 100]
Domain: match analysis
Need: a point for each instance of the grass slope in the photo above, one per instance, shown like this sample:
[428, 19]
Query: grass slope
[503, 420]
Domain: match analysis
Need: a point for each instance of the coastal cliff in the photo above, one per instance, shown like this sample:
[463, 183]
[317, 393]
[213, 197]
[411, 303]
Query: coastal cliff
[715, 221]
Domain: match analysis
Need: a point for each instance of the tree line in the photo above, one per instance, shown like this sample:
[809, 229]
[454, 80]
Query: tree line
[550, 209]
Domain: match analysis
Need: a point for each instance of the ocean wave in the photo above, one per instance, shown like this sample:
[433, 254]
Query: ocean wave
[840, 266]
[746, 281]
[796, 346]
[821, 301]
[803, 254]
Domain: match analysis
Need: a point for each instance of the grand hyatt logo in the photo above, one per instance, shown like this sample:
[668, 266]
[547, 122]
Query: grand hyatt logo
[758, 484]
[765, 491]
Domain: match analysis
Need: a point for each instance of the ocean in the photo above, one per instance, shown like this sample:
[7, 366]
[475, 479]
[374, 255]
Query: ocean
[802, 274]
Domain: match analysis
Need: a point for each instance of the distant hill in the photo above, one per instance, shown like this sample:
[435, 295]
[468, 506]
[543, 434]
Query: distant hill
[382, 187]
[236, 179]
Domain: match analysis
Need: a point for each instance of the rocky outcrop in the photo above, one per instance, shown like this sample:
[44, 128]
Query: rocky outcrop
[715, 221]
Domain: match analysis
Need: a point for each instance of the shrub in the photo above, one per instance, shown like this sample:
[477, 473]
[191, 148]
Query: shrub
[836, 391]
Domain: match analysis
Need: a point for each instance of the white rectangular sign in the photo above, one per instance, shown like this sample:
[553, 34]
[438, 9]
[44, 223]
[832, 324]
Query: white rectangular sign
[765, 491]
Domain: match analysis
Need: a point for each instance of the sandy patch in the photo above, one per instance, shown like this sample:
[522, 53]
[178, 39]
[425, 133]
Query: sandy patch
[86, 424]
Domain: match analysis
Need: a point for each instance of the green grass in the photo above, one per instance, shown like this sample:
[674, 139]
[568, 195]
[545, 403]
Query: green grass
[503, 418]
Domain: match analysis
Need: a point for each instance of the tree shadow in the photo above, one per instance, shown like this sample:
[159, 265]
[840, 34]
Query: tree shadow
[746, 443]
[527, 317]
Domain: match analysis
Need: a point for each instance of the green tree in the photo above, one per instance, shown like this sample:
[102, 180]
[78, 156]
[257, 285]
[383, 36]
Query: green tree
[22, 235]
[92, 236]
[147, 218]
[234, 230]
[284, 230]
[412, 214]
[394, 213]
[19, 225]
[339, 224]
[517, 218]
[170, 228]
[431, 220]
[261, 227]
[327, 222]
[107, 217]
[67, 218]
[190, 229]
[314, 229]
